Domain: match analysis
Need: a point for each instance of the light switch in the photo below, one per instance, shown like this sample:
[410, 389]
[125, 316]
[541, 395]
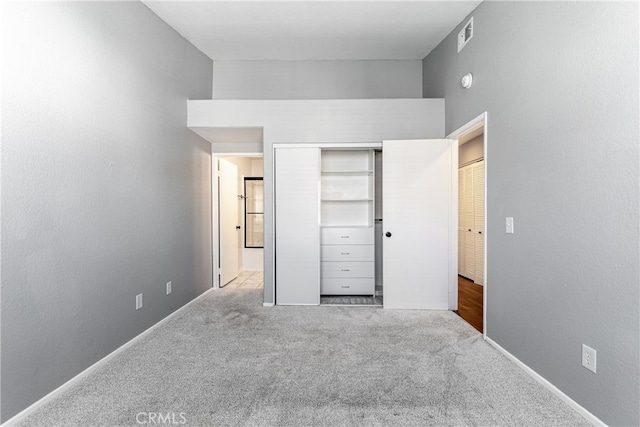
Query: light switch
[510, 225]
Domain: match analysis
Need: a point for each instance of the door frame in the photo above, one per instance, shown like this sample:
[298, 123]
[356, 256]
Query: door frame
[472, 125]
[215, 236]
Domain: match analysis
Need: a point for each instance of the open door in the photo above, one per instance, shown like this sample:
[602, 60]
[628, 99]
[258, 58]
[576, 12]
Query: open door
[229, 230]
[418, 219]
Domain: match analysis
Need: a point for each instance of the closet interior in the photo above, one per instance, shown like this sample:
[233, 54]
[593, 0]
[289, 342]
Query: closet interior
[347, 222]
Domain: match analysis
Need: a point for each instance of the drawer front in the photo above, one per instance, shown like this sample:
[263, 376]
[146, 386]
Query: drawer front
[347, 269]
[347, 253]
[347, 236]
[332, 286]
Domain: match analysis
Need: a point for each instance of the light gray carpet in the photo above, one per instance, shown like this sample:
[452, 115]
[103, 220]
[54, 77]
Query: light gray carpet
[350, 300]
[228, 361]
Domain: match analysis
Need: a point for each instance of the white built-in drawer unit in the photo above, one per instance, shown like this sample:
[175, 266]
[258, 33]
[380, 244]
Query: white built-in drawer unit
[347, 269]
[341, 286]
[347, 253]
[347, 236]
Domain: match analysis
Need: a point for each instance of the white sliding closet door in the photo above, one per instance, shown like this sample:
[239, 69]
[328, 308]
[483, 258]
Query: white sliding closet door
[418, 221]
[297, 214]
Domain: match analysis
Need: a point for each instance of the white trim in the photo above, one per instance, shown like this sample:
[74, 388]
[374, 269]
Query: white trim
[214, 222]
[345, 145]
[453, 226]
[476, 123]
[471, 125]
[272, 216]
[19, 417]
[486, 221]
[256, 154]
[267, 304]
[553, 389]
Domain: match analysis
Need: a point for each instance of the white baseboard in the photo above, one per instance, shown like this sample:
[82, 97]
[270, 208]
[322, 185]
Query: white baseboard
[20, 416]
[267, 304]
[555, 390]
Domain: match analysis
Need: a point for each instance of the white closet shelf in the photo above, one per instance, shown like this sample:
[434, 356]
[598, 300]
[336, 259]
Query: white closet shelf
[347, 226]
[347, 200]
[347, 172]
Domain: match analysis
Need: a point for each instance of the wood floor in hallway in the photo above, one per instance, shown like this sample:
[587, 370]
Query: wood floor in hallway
[470, 302]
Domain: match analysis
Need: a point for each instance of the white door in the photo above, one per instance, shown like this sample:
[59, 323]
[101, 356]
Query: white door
[418, 220]
[228, 221]
[478, 221]
[297, 215]
[469, 240]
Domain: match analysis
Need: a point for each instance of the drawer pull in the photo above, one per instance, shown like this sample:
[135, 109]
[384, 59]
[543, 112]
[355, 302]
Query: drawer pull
[344, 237]
[345, 286]
[345, 269]
[344, 253]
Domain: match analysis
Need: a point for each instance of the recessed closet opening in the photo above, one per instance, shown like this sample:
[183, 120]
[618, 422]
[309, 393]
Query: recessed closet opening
[350, 227]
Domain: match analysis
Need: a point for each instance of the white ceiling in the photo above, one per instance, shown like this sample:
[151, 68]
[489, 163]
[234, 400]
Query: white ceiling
[313, 30]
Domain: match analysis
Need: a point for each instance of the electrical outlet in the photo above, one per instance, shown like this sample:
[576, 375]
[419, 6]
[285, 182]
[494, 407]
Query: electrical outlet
[168, 288]
[589, 358]
[138, 301]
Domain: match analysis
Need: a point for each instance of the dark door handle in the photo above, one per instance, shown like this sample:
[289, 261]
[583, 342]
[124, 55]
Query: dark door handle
[237, 227]
[388, 234]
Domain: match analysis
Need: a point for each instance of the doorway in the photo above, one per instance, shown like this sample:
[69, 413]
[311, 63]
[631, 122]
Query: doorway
[471, 283]
[237, 258]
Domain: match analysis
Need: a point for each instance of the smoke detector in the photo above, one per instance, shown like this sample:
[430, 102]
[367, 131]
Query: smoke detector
[466, 80]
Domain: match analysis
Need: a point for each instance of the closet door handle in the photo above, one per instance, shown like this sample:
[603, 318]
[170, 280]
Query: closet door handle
[388, 234]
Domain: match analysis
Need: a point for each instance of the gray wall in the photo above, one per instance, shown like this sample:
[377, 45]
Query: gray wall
[105, 192]
[317, 79]
[559, 81]
[471, 150]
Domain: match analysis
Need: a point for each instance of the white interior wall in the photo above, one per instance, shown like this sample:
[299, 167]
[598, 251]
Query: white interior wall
[257, 167]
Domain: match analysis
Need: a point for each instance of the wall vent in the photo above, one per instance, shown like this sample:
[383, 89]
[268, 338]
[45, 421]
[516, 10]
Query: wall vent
[465, 34]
